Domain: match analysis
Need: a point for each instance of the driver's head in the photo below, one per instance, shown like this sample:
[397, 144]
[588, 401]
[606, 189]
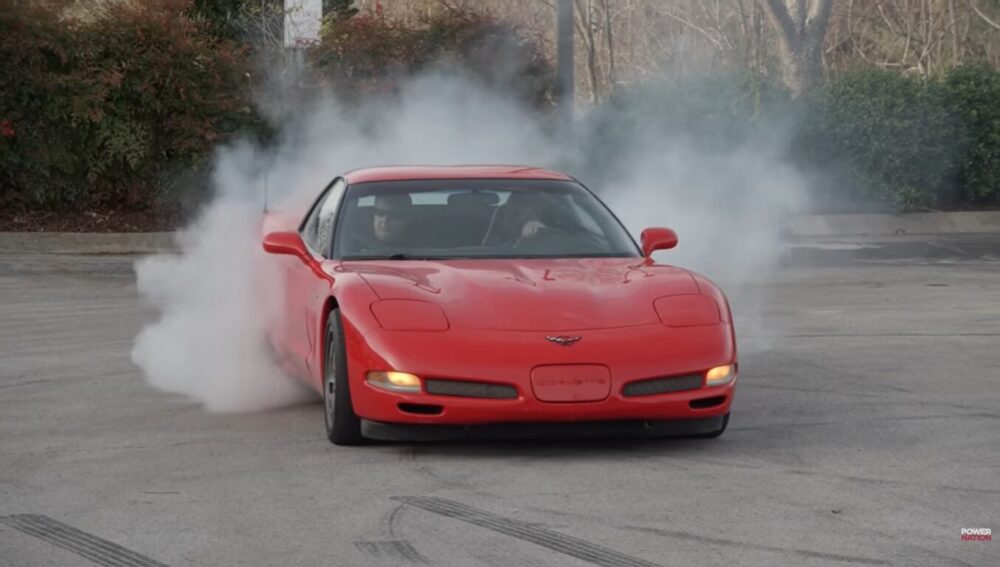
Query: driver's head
[391, 216]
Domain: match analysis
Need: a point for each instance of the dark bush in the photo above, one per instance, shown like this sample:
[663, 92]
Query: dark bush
[369, 53]
[102, 112]
[714, 114]
[222, 16]
[879, 138]
[973, 95]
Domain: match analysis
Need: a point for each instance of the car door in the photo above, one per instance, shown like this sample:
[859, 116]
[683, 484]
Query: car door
[305, 290]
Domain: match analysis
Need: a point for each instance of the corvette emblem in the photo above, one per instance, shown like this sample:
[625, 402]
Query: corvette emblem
[563, 340]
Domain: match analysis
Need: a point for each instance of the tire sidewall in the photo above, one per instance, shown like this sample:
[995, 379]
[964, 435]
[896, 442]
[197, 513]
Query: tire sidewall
[345, 427]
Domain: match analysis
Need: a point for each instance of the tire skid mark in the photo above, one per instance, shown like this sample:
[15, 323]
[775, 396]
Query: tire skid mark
[91, 550]
[413, 456]
[567, 545]
[20, 384]
[390, 549]
[394, 547]
[88, 546]
[783, 550]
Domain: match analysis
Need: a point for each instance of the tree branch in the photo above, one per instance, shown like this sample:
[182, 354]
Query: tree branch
[819, 15]
[691, 25]
[778, 12]
[982, 15]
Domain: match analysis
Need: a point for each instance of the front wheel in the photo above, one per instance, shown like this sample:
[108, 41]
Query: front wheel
[343, 427]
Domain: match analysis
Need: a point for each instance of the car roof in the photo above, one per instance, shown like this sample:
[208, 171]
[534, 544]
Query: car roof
[415, 172]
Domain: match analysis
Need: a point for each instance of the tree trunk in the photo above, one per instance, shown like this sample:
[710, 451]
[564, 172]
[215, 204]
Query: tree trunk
[801, 65]
[801, 28]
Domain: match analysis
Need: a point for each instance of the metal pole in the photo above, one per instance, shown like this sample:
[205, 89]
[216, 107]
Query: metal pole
[565, 58]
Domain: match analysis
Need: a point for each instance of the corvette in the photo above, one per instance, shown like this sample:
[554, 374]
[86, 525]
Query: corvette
[433, 302]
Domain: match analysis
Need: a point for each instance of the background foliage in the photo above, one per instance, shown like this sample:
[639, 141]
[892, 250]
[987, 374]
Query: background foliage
[107, 112]
[369, 53]
[119, 108]
[876, 138]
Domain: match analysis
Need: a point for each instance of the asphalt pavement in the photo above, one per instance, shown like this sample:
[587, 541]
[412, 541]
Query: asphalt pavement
[865, 431]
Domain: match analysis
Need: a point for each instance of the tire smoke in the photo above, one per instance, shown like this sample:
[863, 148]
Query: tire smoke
[216, 298]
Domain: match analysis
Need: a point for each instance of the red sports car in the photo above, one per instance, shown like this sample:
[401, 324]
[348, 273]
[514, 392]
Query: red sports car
[434, 302]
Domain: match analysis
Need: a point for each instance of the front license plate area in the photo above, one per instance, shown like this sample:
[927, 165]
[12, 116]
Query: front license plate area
[571, 382]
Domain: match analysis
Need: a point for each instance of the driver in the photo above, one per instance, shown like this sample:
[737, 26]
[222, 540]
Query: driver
[390, 222]
[520, 218]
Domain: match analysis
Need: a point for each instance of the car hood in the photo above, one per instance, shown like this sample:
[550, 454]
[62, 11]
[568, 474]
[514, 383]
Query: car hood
[531, 294]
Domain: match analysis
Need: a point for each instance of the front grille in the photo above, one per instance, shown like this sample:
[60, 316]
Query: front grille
[662, 385]
[465, 389]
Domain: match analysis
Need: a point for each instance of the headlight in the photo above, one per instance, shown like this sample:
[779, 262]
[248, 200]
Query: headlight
[720, 375]
[409, 315]
[687, 310]
[402, 382]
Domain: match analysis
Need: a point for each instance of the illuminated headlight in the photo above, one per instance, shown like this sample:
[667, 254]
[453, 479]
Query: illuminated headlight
[720, 375]
[393, 381]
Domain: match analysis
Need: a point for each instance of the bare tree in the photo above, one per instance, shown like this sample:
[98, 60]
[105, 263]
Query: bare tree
[624, 42]
[801, 29]
[982, 15]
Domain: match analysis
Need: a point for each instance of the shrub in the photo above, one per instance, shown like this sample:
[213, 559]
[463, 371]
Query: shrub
[714, 115]
[973, 96]
[369, 53]
[101, 110]
[881, 138]
[222, 16]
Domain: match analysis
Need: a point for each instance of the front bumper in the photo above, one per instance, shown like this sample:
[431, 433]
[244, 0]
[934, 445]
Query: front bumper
[508, 358]
[380, 431]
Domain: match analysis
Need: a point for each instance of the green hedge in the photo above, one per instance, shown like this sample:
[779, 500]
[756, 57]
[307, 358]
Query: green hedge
[973, 97]
[714, 115]
[871, 140]
[107, 112]
[876, 138]
[880, 138]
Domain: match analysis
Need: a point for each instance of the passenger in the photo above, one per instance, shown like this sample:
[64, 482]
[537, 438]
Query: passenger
[519, 218]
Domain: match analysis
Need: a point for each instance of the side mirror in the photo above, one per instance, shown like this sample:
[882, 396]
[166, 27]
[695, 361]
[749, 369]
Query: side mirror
[654, 239]
[289, 243]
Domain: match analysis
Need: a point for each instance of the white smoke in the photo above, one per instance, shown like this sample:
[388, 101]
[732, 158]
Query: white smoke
[215, 299]
[209, 342]
[727, 209]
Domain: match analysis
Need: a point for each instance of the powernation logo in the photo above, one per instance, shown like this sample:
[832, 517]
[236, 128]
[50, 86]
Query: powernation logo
[977, 534]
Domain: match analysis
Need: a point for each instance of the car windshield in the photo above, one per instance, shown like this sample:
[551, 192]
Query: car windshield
[476, 218]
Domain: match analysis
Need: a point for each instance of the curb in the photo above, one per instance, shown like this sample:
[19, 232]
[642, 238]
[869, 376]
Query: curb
[798, 227]
[87, 242]
[809, 226]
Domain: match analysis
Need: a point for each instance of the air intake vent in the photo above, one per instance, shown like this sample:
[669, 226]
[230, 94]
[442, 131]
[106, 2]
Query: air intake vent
[421, 409]
[662, 385]
[464, 389]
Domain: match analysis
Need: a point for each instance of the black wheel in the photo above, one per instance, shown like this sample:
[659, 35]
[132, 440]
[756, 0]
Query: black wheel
[343, 427]
[717, 432]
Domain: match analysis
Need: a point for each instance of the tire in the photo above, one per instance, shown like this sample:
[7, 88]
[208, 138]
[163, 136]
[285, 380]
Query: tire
[717, 432]
[343, 426]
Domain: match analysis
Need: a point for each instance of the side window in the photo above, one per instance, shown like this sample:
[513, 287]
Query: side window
[310, 227]
[328, 218]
